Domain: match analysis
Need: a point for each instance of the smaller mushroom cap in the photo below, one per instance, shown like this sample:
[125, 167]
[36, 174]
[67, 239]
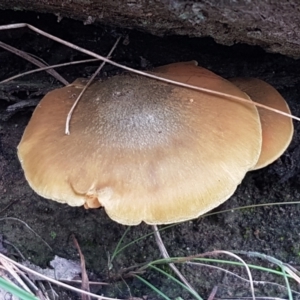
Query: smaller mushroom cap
[277, 130]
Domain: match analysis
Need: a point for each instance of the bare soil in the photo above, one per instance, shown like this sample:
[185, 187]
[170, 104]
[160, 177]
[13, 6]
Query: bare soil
[272, 230]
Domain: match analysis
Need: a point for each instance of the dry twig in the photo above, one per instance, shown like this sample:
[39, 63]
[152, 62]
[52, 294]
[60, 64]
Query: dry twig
[85, 280]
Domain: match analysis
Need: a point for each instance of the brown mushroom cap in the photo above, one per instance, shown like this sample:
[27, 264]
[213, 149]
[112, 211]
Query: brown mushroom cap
[143, 149]
[277, 130]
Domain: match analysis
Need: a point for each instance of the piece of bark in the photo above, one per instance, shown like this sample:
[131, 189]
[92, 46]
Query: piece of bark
[273, 25]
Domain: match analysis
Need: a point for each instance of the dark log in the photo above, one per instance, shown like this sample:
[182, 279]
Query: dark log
[271, 24]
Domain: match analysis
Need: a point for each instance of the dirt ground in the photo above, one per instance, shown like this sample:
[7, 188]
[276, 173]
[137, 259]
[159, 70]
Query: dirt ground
[272, 230]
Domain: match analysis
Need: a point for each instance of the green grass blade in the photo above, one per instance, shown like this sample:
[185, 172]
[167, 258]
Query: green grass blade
[177, 281]
[153, 287]
[117, 249]
[288, 287]
[15, 290]
[228, 262]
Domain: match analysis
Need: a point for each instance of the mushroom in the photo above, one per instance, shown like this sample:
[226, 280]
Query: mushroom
[143, 149]
[277, 130]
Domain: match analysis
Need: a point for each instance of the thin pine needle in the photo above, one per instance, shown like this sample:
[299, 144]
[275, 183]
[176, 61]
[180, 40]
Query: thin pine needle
[69, 116]
[33, 61]
[10, 268]
[28, 270]
[49, 67]
[107, 60]
[27, 226]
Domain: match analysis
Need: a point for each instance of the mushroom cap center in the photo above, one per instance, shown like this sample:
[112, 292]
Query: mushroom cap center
[131, 112]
